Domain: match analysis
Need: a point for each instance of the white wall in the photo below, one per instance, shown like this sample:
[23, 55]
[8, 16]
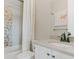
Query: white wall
[16, 20]
[58, 5]
[43, 19]
[71, 16]
[44, 8]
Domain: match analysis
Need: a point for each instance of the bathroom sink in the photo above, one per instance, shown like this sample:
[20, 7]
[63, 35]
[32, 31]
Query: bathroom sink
[60, 45]
[66, 48]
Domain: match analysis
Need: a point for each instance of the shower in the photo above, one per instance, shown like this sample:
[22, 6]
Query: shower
[13, 18]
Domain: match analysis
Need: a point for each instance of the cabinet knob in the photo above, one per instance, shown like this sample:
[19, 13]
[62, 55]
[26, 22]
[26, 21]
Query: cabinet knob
[53, 56]
[48, 54]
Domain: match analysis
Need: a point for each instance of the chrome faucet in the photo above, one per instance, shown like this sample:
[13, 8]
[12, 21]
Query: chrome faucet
[65, 37]
[68, 34]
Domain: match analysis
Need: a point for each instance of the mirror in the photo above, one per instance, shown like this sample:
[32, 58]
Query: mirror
[52, 18]
[61, 13]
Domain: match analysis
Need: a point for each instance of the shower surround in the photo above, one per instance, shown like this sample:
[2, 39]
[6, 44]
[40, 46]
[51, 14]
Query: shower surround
[12, 23]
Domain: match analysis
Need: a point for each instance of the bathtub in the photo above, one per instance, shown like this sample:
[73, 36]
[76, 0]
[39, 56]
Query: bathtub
[11, 52]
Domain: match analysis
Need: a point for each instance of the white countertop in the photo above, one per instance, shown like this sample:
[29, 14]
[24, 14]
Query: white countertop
[64, 47]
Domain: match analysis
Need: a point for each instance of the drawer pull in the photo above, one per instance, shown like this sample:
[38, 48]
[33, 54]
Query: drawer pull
[53, 56]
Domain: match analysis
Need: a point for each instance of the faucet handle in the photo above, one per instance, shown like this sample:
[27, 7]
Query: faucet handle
[69, 33]
[63, 37]
[68, 36]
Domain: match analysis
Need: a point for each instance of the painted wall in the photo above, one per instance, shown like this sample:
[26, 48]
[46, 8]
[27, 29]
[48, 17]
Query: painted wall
[71, 16]
[16, 20]
[44, 8]
[43, 19]
[58, 5]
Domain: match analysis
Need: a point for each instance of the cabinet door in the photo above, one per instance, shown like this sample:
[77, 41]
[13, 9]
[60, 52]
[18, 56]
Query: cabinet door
[42, 52]
[59, 55]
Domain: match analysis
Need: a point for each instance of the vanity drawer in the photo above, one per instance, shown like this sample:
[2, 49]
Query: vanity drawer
[60, 55]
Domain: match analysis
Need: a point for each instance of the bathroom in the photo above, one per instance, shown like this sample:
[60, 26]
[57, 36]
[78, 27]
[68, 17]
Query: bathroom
[33, 24]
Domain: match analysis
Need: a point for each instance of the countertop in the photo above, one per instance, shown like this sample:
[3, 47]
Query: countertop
[64, 47]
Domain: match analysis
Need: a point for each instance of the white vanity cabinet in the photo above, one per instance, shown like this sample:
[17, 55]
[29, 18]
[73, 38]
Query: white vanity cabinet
[42, 52]
[60, 55]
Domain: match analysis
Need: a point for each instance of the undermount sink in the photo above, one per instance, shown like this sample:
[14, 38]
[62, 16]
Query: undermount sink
[57, 43]
[60, 45]
[69, 47]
